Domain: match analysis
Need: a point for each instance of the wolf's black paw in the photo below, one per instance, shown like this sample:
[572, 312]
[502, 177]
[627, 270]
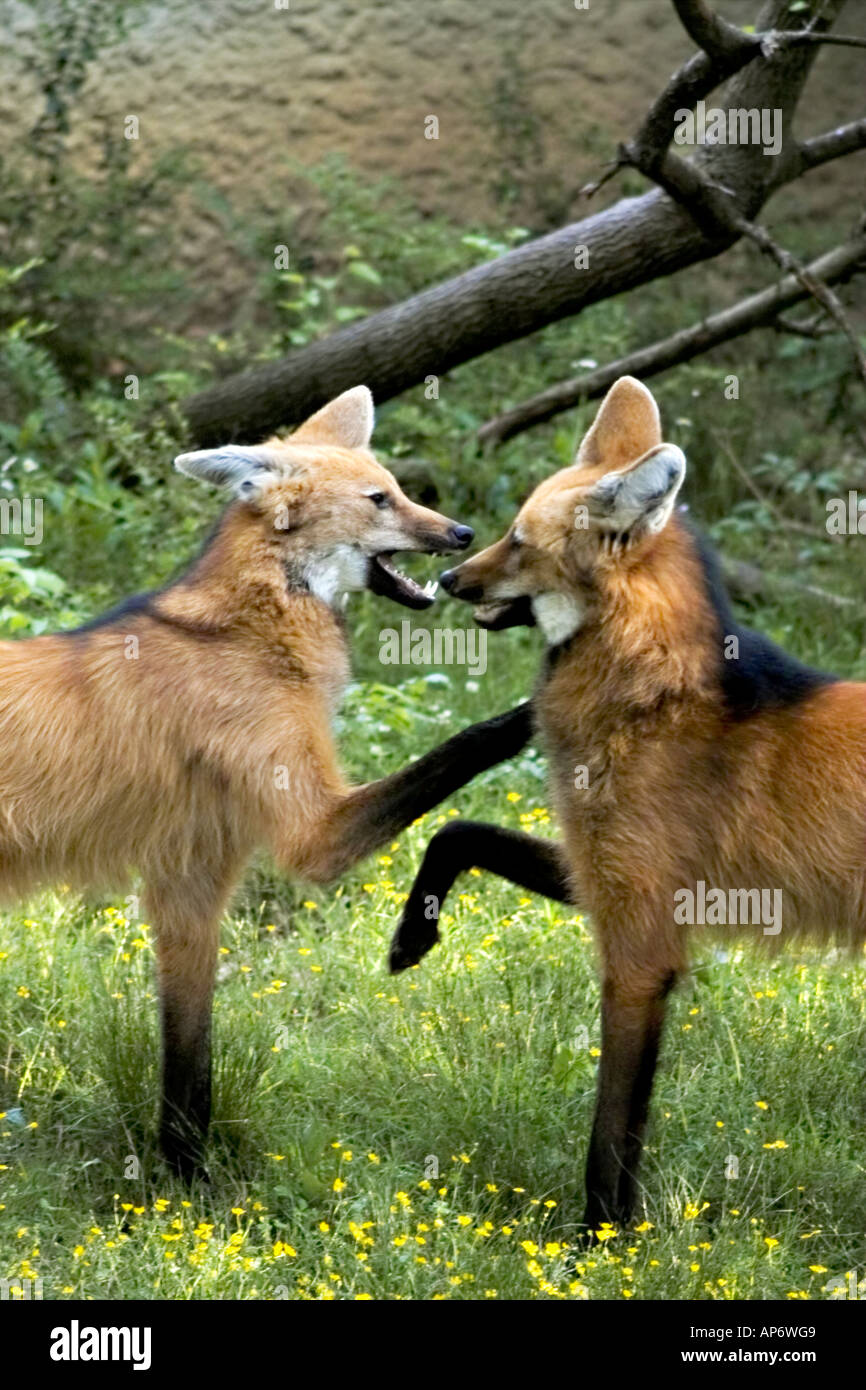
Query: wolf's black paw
[185, 1159]
[411, 941]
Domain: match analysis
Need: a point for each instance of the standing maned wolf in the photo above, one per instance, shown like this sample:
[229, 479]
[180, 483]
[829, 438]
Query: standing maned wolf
[189, 726]
[691, 759]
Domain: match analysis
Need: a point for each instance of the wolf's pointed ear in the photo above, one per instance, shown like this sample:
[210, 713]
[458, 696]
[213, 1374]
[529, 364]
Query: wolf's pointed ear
[641, 497]
[346, 421]
[244, 468]
[627, 424]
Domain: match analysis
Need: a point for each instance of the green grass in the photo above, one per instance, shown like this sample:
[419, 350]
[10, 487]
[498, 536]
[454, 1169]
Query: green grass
[420, 1137]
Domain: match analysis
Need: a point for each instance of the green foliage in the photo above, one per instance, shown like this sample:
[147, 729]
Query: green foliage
[522, 181]
[70, 34]
[35, 598]
[94, 239]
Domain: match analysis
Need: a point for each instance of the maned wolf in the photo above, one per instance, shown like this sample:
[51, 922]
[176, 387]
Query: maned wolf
[691, 760]
[189, 726]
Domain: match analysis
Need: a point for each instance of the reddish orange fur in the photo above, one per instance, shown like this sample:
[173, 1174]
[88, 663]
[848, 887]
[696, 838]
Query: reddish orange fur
[173, 739]
[678, 789]
[677, 792]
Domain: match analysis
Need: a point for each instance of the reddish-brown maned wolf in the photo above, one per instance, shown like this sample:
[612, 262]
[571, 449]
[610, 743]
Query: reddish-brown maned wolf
[191, 725]
[699, 774]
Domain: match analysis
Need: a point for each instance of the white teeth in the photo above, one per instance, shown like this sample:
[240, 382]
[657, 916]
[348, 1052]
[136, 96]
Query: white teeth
[431, 588]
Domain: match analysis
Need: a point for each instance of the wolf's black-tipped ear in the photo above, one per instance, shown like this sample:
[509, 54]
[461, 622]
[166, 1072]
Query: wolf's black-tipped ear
[641, 495]
[245, 469]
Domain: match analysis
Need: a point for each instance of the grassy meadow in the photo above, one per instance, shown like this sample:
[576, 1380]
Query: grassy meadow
[420, 1136]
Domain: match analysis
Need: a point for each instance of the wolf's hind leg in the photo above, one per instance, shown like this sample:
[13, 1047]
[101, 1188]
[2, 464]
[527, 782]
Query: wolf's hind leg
[632, 1022]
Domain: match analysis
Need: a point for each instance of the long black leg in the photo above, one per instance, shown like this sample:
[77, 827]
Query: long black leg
[632, 1023]
[186, 914]
[369, 816]
[186, 1085]
[537, 865]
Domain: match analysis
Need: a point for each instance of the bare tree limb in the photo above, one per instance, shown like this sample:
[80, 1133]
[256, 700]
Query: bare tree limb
[722, 41]
[610, 170]
[711, 203]
[817, 287]
[815, 327]
[712, 208]
[846, 139]
[716, 36]
[754, 312]
[747, 583]
[798, 38]
[723, 51]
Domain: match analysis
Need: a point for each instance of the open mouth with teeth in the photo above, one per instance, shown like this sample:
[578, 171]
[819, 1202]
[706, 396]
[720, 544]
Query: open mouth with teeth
[509, 612]
[385, 579]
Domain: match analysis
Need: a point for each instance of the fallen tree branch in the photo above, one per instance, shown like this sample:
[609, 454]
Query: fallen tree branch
[757, 311]
[748, 583]
[721, 40]
[798, 38]
[715, 212]
[711, 203]
[718, 38]
[815, 284]
[815, 327]
[724, 50]
[845, 139]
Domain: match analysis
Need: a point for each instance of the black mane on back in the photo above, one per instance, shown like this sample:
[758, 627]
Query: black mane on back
[762, 676]
[146, 603]
[127, 608]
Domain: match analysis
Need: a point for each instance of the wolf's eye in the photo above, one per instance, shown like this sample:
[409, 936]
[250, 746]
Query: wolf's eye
[515, 541]
[379, 499]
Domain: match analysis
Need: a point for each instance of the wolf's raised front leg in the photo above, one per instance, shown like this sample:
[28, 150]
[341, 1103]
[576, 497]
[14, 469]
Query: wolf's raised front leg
[366, 817]
[537, 865]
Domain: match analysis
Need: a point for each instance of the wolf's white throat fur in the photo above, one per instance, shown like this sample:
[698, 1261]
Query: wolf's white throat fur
[332, 576]
[558, 615]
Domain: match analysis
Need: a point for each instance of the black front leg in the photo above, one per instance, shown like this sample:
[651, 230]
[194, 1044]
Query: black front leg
[395, 801]
[369, 816]
[186, 914]
[536, 865]
[186, 1088]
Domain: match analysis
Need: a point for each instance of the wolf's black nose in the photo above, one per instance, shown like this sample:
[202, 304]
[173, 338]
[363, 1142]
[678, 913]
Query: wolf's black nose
[446, 579]
[462, 536]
